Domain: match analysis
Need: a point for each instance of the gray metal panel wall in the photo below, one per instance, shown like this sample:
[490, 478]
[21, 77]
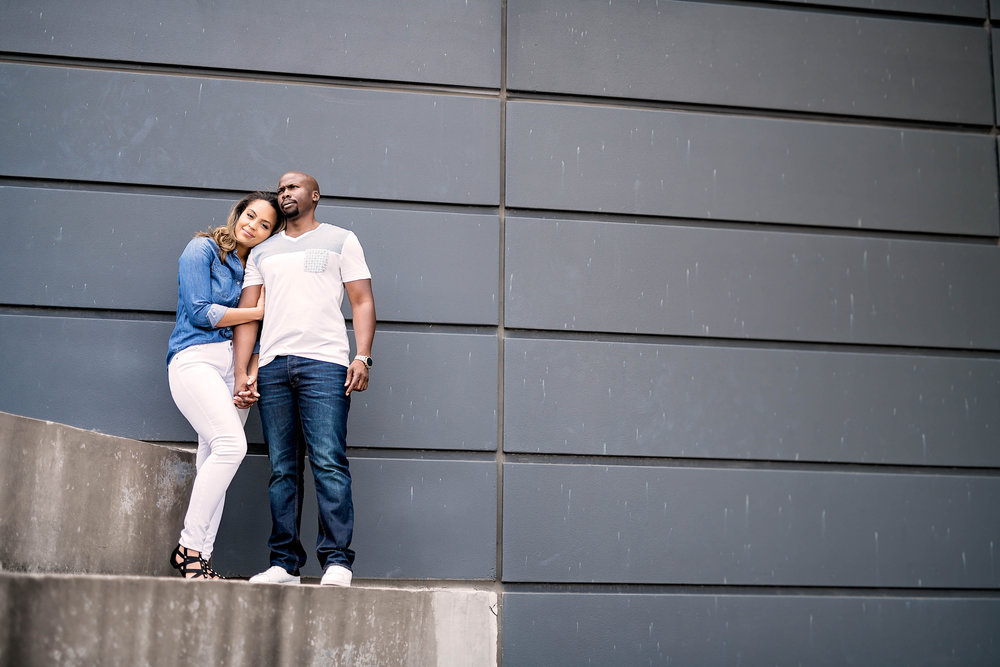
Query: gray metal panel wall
[743, 283]
[118, 368]
[996, 70]
[213, 132]
[593, 523]
[614, 398]
[434, 391]
[744, 56]
[692, 396]
[408, 522]
[419, 402]
[712, 628]
[956, 8]
[728, 167]
[725, 270]
[433, 41]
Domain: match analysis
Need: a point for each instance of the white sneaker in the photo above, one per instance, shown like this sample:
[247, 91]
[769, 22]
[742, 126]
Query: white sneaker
[274, 575]
[336, 575]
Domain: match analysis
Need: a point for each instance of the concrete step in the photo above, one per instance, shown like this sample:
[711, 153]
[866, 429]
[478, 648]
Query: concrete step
[86, 518]
[79, 501]
[57, 619]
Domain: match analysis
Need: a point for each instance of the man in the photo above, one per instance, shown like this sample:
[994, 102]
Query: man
[306, 377]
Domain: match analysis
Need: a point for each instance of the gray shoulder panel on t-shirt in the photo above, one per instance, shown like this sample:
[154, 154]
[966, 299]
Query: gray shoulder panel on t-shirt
[326, 236]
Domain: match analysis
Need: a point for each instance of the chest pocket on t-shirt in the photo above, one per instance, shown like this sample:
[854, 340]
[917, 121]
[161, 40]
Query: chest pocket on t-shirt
[315, 260]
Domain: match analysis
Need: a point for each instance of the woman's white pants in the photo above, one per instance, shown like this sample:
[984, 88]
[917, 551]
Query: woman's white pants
[201, 383]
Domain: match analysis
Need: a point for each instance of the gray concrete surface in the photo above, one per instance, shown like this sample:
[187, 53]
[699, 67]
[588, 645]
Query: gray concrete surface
[84, 502]
[81, 513]
[124, 620]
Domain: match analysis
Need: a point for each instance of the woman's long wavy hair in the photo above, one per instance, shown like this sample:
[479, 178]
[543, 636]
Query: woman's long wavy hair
[225, 235]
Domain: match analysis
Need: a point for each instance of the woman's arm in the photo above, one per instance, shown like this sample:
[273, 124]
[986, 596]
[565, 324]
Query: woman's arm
[194, 275]
[238, 315]
[194, 281]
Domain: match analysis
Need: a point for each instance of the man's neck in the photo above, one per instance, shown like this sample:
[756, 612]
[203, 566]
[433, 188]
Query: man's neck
[300, 225]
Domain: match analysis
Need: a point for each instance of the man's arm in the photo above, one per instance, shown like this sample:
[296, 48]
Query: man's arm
[359, 292]
[244, 337]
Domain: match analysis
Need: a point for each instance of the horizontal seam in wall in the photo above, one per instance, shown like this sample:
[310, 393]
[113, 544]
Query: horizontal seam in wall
[741, 590]
[745, 465]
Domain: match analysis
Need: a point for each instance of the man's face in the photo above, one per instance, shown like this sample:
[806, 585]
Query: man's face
[296, 194]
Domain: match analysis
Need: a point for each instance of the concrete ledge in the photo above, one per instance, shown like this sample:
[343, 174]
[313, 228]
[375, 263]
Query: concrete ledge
[81, 501]
[89, 620]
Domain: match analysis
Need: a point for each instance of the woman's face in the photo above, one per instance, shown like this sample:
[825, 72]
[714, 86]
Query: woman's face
[255, 224]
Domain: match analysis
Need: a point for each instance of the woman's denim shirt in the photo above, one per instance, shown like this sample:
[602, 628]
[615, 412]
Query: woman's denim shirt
[206, 287]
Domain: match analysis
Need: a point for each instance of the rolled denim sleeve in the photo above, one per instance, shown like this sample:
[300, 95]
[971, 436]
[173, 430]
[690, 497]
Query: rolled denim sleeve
[215, 313]
[194, 280]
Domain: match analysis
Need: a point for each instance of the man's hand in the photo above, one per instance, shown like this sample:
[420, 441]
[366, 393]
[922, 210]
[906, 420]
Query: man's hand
[246, 391]
[357, 377]
[359, 292]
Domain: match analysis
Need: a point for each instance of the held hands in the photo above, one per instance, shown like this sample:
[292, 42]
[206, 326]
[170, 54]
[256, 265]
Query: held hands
[357, 377]
[246, 391]
[246, 385]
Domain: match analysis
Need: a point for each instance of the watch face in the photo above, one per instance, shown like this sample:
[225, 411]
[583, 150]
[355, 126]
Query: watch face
[368, 362]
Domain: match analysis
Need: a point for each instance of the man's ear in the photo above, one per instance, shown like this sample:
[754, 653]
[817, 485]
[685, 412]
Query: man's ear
[315, 196]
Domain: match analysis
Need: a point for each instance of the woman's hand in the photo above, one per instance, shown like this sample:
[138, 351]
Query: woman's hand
[245, 390]
[260, 304]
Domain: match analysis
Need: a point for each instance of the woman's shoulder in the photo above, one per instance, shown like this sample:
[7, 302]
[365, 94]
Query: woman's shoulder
[200, 247]
[203, 243]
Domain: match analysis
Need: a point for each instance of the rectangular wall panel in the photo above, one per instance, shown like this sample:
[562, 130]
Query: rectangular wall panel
[428, 391]
[127, 127]
[107, 250]
[695, 401]
[956, 8]
[437, 267]
[755, 284]
[736, 55]
[409, 523]
[712, 629]
[650, 162]
[996, 67]
[755, 527]
[119, 250]
[433, 41]
[105, 375]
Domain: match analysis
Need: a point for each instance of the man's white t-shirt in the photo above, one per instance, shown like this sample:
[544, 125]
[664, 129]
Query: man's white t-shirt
[303, 280]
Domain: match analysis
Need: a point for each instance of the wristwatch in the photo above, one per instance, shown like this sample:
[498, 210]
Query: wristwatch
[367, 361]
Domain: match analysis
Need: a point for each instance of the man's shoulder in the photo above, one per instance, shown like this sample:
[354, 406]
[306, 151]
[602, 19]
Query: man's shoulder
[333, 237]
[331, 229]
[266, 244]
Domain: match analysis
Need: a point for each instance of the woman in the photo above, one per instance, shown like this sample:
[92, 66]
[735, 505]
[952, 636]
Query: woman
[200, 366]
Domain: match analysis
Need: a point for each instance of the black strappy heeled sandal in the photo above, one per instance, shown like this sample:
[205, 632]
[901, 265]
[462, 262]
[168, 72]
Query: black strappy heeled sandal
[187, 563]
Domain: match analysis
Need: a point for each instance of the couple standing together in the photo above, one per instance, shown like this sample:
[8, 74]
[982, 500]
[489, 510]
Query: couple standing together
[272, 246]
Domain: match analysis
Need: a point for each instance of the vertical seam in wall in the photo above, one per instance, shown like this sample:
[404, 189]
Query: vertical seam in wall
[991, 57]
[501, 281]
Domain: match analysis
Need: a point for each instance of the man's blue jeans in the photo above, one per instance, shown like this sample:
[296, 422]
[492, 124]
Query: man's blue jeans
[303, 410]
